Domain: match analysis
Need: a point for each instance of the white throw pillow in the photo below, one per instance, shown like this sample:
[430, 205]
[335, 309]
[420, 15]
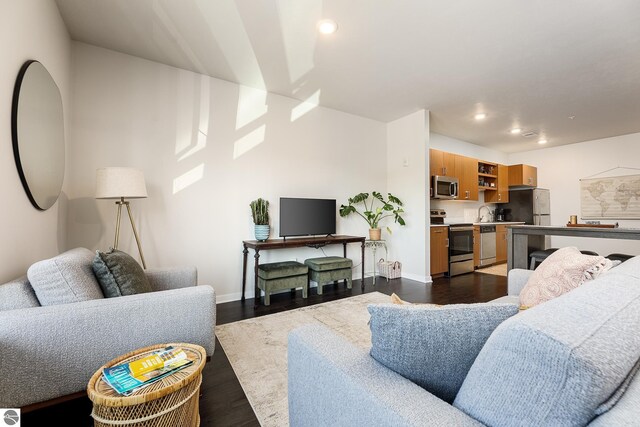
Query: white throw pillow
[562, 271]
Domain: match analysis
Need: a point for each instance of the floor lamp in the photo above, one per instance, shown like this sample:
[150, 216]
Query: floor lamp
[122, 183]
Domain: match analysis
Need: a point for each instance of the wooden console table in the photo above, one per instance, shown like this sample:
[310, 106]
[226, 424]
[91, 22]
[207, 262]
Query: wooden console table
[311, 242]
[522, 239]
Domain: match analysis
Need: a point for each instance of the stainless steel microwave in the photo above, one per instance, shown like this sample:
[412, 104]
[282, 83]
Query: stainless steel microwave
[444, 187]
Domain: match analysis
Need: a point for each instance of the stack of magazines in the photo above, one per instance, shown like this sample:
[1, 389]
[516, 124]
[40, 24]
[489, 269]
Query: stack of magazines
[129, 377]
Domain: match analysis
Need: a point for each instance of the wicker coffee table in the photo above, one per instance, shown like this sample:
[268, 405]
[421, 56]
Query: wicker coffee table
[171, 401]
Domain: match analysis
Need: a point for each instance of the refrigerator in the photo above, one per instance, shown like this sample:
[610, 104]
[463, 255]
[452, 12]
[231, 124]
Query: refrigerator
[531, 205]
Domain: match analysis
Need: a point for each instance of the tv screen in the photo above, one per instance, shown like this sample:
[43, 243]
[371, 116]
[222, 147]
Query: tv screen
[307, 217]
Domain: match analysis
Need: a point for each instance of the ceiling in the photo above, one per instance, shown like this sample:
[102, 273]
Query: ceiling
[527, 64]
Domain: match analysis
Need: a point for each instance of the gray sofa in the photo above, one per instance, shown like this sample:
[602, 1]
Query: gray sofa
[48, 352]
[561, 363]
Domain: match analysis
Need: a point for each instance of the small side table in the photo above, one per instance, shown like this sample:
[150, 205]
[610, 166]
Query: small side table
[374, 245]
[171, 401]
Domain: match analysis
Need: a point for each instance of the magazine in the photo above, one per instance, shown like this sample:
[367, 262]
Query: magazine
[129, 377]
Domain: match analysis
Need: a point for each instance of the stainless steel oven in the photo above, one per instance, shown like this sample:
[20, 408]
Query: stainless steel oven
[460, 249]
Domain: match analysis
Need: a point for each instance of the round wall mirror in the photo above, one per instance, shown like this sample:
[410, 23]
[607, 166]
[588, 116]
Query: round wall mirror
[37, 124]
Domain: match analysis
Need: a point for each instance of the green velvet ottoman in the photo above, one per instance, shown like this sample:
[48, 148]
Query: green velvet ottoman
[276, 276]
[329, 269]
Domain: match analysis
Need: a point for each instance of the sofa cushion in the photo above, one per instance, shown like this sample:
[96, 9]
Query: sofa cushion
[119, 274]
[562, 271]
[433, 346]
[557, 362]
[625, 411]
[17, 294]
[65, 278]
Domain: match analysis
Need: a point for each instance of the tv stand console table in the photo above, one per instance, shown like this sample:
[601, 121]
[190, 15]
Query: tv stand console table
[311, 242]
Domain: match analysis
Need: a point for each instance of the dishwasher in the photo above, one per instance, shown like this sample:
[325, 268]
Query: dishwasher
[487, 245]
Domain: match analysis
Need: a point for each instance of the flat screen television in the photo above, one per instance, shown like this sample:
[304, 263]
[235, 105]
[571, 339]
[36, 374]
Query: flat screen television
[307, 217]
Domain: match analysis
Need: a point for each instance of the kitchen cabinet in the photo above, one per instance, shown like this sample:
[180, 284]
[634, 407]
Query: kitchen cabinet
[501, 195]
[476, 246]
[523, 175]
[439, 250]
[441, 163]
[466, 170]
[501, 244]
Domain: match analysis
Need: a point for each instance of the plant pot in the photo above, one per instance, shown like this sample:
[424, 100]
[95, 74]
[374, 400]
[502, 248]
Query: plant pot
[261, 232]
[374, 234]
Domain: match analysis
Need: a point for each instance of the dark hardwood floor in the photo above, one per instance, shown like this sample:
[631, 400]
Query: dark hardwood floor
[222, 401]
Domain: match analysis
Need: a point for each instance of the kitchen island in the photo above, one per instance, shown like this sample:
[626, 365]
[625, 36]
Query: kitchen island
[523, 239]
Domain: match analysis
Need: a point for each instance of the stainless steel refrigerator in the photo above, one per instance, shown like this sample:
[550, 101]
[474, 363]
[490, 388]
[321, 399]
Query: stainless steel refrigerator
[533, 206]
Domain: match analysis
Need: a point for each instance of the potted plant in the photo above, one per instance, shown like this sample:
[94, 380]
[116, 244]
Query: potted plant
[390, 207]
[260, 212]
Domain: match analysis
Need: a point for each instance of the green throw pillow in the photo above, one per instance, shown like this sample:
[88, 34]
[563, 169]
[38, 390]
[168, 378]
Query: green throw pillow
[119, 274]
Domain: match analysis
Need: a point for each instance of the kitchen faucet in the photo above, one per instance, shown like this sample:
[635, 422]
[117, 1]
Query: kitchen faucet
[488, 209]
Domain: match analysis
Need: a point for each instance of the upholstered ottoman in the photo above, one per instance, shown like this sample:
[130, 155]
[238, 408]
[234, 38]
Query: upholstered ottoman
[276, 276]
[329, 269]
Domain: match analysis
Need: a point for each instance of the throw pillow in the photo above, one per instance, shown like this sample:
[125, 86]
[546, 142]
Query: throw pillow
[562, 271]
[65, 278]
[119, 274]
[433, 346]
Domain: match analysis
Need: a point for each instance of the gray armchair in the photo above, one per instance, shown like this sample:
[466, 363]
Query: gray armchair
[49, 352]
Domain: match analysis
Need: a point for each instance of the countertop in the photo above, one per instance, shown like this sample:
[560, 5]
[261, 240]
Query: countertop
[485, 223]
[500, 223]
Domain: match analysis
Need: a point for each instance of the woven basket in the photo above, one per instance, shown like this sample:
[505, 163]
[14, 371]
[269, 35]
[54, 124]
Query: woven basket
[172, 401]
[390, 269]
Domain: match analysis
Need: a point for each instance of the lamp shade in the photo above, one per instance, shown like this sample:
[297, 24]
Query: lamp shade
[114, 183]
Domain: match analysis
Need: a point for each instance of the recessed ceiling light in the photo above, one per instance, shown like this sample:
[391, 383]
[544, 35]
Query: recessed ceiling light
[516, 130]
[542, 141]
[480, 116]
[327, 26]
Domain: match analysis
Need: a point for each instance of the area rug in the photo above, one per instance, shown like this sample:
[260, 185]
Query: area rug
[257, 348]
[497, 270]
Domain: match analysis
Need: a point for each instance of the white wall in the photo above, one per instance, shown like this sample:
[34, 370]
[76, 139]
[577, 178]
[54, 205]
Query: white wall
[207, 148]
[463, 210]
[560, 170]
[29, 29]
[407, 140]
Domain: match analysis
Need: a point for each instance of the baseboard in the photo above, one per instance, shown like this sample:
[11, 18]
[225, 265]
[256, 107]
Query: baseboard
[417, 277]
[236, 296]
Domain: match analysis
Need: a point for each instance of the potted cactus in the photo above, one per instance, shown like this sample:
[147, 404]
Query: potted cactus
[373, 215]
[260, 213]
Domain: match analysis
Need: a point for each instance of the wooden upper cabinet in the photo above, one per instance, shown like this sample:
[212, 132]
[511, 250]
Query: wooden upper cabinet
[502, 193]
[523, 175]
[441, 163]
[466, 170]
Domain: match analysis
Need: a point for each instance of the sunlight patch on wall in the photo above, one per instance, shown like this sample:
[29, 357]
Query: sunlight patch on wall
[192, 126]
[249, 141]
[298, 22]
[251, 105]
[189, 178]
[227, 27]
[306, 106]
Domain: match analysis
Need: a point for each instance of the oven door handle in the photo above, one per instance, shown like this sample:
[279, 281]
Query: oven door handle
[456, 229]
